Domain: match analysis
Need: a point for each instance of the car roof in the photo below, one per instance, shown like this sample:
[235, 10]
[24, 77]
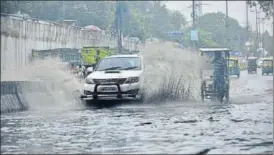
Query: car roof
[123, 56]
[252, 58]
[214, 49]
[233, 58]
[268, 59]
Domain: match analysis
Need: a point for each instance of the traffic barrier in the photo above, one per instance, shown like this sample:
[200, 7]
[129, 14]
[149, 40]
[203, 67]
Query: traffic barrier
[12, 98]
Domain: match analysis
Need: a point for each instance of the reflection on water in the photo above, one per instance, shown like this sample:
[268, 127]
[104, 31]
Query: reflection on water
[188, 128]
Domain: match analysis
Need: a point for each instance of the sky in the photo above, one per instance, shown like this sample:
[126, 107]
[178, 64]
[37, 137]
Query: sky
[236, 10]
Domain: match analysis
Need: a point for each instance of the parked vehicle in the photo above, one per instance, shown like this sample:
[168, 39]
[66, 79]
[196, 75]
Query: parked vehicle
[92, 55]
[234, 68]
[252, 65]
[267, 67]
[114, 77]
[68, 55]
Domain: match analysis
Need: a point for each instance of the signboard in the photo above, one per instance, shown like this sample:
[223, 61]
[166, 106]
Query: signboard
[236, 53]
[194, 35]
[175, 33]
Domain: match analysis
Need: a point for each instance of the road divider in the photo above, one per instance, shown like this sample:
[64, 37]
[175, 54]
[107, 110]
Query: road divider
[12, 94]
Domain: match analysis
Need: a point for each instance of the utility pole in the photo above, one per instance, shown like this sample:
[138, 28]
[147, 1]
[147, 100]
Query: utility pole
[200, 6]
[63, 11]
[197, 8]
[247, 23]
[247, 27]
[246, 16]
[226, 22]
[256, 43]
[261, 31]
[193, 20]
[263, 35]
[119, 26]
[193, 14]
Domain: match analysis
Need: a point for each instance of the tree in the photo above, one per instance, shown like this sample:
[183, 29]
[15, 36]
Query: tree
[268, 42]
[266, 6]
[212, 32]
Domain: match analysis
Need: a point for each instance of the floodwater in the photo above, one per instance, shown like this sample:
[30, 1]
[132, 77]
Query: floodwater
[243, 126]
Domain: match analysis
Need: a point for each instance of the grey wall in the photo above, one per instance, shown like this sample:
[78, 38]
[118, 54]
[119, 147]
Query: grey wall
[12, 99]
[19, 36]
[17, 95]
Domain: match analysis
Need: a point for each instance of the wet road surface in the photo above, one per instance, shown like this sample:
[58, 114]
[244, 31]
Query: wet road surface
[243, 126]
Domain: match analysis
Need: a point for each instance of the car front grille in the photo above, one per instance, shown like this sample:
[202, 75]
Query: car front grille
[105, 81]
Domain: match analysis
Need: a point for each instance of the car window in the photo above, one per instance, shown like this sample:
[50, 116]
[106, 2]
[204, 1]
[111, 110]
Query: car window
[119, 63]
[231, 63]
[267, 63]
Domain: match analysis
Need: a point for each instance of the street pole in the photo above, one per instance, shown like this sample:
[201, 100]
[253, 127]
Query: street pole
[256, 42]
[63, 11]
[263, 35]
[119, 27]
[226, 23]
[193, 14]
[247, 25]
[193, 20]
[262, 31]
[259, 29]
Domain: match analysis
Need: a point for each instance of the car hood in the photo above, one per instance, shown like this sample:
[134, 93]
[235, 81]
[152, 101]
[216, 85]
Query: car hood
[114, 74]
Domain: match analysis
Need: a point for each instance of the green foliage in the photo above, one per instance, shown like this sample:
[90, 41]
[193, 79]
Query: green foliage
[212, 32]
[268, 43]
[266, 6]
[142, 19]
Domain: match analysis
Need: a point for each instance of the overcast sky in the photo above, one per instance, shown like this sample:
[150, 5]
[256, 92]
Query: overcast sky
[236, 9]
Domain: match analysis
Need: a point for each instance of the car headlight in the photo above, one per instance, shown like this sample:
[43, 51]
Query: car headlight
[132, 80]
[89, 81]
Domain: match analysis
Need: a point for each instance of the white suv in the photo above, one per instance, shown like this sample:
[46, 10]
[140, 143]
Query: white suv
[114, 77]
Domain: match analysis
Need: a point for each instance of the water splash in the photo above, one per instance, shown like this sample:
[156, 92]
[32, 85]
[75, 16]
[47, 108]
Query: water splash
[56, 88]
[170, 73]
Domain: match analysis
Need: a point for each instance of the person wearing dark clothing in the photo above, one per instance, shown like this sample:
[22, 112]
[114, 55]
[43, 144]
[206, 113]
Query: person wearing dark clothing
[220, 72]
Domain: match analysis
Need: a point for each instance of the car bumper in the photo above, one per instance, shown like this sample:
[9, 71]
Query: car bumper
[122, 92]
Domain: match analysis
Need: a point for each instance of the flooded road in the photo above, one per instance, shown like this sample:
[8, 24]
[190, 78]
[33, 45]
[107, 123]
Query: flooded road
[243, 126]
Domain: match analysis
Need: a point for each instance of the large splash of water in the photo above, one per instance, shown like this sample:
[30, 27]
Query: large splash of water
[170, 73]
[56, 89]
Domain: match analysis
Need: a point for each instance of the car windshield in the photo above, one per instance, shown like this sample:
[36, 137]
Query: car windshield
[231, 63]
[252, 62]
[119, 63]
[267, 63]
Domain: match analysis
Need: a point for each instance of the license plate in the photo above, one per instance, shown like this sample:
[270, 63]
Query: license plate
[108, 89]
